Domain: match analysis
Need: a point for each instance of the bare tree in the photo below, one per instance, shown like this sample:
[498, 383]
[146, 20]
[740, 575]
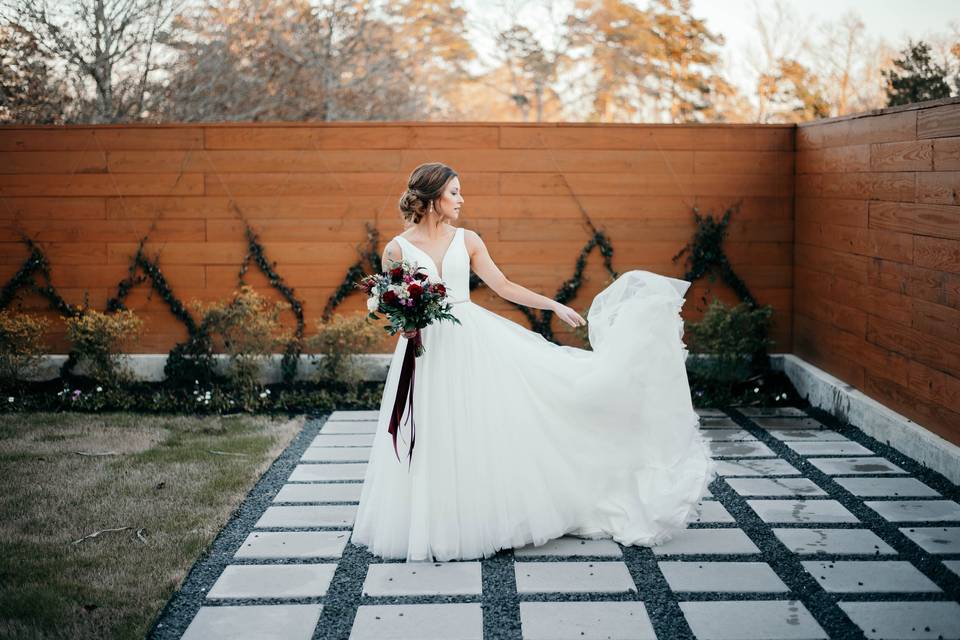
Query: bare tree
[525, 66]
[781, 36]
[301, 60]
[30, 93]
[107, 44]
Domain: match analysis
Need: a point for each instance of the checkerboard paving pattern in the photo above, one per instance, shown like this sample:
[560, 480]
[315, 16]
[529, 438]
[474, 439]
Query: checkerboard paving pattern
[812, 530]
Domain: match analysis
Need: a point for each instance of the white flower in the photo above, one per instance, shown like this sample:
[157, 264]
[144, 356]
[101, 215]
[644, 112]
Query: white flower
[10, 399]
[196, 382]
[268, 391]
[99, 388]
[372, 304]
[756, 389]
[263, 395]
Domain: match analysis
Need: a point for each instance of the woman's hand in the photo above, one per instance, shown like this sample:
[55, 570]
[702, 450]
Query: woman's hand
[568, 315]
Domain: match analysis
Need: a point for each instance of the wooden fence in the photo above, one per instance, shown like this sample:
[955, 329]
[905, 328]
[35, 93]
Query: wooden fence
[877, 269]
[88, 194]
[849, 227]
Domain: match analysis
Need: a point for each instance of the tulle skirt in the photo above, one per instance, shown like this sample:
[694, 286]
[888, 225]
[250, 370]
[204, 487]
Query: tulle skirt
[520, 440]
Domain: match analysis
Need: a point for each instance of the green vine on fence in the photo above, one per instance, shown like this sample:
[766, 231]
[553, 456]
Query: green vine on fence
[542, 323]
[256, 253]
[24, 278]
[369, 258]
[568, 290]
[705, 252]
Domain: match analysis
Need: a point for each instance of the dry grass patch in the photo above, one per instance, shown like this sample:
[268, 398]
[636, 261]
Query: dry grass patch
[165, 485]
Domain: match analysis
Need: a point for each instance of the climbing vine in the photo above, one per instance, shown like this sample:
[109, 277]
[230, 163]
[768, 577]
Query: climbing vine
[294, 348]
[25, 278]
[369, 256]
[542, 322]
[705, 253]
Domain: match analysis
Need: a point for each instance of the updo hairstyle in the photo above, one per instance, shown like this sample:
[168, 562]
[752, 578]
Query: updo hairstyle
[424, 186]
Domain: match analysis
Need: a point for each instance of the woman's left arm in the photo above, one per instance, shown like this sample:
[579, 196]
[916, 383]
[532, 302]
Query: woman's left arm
[484, 266]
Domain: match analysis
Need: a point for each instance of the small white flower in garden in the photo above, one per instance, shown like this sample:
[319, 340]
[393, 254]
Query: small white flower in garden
[263, 395]
[372, 304]
[196, 382]
[10, 399]
[99, 388]
[199, 398]
[756, 389]
[207, 394]
[195, 392]
[268, 391]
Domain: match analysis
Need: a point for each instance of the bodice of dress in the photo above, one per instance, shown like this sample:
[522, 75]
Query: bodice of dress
[454, 266]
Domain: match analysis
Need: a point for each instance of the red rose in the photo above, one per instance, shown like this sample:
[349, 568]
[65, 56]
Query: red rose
[415, 290]
[390, 297]
[396, 274]
[439, 289]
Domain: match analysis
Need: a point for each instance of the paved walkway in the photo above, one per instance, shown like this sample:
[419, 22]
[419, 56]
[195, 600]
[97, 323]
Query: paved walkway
[814, 531]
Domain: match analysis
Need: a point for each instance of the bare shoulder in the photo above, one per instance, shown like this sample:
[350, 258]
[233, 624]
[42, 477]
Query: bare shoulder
[392, 251]
[472, 239]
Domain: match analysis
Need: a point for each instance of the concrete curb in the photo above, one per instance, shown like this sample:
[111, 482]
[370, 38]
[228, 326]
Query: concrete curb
[851, 405]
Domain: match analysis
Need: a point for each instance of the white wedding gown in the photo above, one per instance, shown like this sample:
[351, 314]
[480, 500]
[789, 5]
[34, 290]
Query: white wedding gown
[520, 440]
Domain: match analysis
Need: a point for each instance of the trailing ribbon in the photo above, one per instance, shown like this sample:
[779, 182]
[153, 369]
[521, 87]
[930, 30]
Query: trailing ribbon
[405, 394]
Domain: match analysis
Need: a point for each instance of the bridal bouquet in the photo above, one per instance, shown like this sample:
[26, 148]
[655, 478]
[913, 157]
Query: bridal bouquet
[410, 299]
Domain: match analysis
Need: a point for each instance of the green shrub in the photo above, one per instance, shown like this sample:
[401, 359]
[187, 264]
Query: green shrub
[340, 340]
[733, 339]
[248, 329]
[21, 345]
[98, 339]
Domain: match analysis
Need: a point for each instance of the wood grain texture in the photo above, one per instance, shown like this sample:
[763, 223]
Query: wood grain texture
[877, 258]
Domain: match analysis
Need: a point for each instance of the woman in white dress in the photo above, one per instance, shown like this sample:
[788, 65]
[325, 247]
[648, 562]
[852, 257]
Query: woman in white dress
[520, 440]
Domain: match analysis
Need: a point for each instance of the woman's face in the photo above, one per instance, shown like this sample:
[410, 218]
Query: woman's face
[448, 204]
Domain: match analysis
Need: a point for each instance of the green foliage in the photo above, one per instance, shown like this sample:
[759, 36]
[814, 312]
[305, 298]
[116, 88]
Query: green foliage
[248, 330]
[568, 290]
[21, 345]
[159, 398]
[369, 256]
[294, 345]
[339, 340]
[24, 278]
[705, 254]
[97, 340]
[915, 77]
[733, 340]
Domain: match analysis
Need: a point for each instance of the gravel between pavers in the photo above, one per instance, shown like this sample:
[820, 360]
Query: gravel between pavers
[185, 602]
[500, 600]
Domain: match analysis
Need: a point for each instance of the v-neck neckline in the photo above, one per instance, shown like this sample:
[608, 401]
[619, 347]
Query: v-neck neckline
[439, 268]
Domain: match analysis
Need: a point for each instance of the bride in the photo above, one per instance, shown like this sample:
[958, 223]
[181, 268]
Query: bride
[520, 440]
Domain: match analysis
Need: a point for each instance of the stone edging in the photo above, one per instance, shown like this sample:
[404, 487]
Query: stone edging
[852, 406]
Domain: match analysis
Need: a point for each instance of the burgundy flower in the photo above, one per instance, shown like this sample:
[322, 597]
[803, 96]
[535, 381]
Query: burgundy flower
[390, 296]
[439, 289]
[396, 274]
[415, 290]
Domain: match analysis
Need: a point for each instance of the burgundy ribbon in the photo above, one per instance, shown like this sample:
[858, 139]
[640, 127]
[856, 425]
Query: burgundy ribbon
[405, 394]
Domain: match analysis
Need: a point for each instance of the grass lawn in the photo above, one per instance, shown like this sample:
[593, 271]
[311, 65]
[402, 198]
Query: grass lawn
[171, 481]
